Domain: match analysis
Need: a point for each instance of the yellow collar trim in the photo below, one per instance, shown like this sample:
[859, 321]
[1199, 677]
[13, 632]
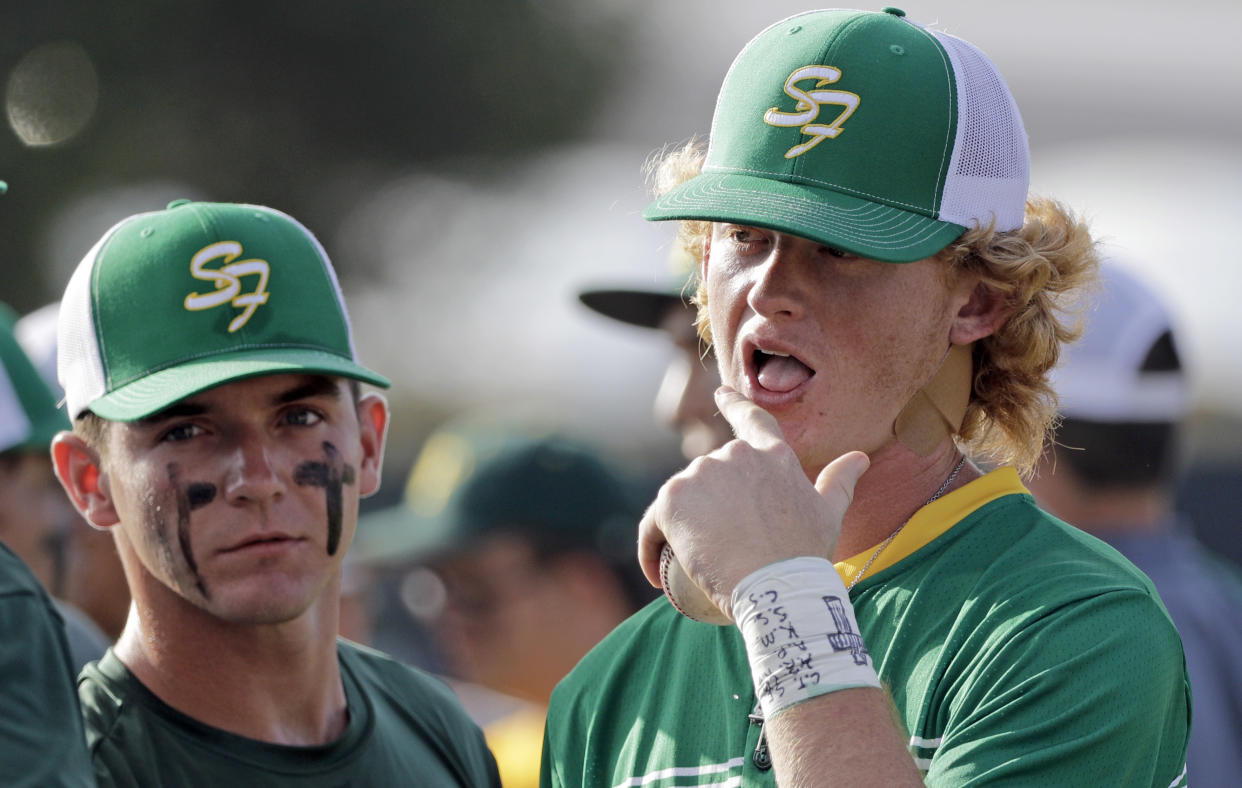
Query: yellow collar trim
[934, 519]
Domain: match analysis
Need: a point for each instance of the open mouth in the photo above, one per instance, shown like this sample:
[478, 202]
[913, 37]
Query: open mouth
[779, 372]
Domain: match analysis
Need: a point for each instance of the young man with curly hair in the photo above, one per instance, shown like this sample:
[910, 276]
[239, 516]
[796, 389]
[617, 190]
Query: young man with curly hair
[883, 303]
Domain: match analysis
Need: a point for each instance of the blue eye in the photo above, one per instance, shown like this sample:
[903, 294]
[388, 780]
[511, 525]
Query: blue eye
[181, 432]
[302, 417]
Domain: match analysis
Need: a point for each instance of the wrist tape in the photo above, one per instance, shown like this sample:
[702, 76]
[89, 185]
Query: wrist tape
[800, 632]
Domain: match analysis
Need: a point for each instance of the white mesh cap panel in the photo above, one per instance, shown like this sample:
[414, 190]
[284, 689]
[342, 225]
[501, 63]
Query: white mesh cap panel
[79, 360]
[990, 170]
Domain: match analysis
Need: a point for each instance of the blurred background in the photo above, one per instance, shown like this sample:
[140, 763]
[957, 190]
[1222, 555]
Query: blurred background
[470, 166]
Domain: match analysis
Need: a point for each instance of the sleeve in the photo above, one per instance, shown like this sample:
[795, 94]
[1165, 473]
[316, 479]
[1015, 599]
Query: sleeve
[558, 767]
[41, 735]
[1093, 692]
[547, 776]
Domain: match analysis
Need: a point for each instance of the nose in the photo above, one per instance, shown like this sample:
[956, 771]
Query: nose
[778, 287]
[253, 475]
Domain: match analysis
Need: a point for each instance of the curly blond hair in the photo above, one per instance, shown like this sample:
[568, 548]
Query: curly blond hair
[1042, 270]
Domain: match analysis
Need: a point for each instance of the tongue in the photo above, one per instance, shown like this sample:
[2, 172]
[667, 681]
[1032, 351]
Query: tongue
[783, 373]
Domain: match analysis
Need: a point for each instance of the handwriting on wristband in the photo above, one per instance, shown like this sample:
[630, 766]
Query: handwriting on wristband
[791, 665]
[845, 638]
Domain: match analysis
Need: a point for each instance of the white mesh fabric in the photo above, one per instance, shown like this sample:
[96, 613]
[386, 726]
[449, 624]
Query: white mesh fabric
[79, 359]
[989, 172]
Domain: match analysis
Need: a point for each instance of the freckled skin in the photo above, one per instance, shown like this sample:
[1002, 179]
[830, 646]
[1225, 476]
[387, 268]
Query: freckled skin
[330, 474]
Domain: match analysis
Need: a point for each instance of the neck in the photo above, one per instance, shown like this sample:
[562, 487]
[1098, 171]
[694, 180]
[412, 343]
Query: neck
[898, 484]
[277, 683]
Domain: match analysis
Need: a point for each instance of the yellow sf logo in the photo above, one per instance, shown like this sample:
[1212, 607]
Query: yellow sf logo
[227, 279]
[808, 106]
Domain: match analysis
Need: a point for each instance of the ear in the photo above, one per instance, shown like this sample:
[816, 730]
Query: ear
[373, 432]
[80, 472]
[983, 310]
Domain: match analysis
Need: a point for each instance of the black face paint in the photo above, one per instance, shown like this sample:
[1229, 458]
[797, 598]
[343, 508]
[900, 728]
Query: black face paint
[187, 501]
[329, 474]
[199, 494]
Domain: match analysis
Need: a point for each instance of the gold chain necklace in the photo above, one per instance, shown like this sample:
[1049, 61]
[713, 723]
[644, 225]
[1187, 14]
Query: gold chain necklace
[957, 469]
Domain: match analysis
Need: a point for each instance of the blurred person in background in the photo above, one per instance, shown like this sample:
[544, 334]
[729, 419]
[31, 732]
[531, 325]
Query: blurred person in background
[36, 519]
[92, 580]
[1113, 470]
[41, 738]
[685, 401]
[528, 540]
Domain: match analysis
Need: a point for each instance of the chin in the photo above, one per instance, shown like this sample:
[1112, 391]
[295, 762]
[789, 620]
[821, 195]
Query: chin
[261, 607]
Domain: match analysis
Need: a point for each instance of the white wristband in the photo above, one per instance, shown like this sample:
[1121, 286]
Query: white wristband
[800, 632]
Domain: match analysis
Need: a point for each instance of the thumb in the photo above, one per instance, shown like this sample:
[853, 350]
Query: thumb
[836, 481]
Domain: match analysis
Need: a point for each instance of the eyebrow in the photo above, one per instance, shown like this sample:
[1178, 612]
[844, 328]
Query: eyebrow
[317, 386]
[177, 410]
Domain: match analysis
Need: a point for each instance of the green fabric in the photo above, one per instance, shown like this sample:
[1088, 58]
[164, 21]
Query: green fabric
[25, 391]
[41, 738]
[405, 727]
[1018, 651]
[199, 294]
[836, 126]
[468, 484]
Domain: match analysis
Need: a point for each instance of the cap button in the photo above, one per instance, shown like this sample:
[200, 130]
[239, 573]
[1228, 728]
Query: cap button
[894, 11]
[178, 203]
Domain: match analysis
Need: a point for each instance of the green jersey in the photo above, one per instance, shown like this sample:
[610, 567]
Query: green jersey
[41, 738]
[1017, 650]
[404, 728]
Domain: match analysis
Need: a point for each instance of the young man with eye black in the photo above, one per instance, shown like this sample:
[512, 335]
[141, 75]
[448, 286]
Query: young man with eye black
[884, 303]
[221, 436]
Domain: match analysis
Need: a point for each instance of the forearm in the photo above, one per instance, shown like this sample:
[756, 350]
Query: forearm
[829, 721]
[844, 738]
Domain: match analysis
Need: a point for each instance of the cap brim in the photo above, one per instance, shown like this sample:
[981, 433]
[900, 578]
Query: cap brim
[852, 224]
[645, 308]
[152, 393]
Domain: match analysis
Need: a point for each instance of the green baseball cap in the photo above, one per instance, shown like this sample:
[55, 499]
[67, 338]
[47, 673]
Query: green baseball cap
[470, 481]
[170, 303]
[864, 131]
[29, 418]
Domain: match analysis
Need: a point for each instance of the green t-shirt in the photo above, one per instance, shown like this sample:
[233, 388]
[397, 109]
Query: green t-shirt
[405, 728]
[41, 738]
[1017, 649]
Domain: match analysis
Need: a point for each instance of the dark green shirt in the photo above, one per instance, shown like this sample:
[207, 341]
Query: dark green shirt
[405, 728]
[41, 739]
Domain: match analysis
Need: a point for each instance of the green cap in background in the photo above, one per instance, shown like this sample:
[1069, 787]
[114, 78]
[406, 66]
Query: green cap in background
[864, 131]
[29, 418]
[173, 302]
[470, 482]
